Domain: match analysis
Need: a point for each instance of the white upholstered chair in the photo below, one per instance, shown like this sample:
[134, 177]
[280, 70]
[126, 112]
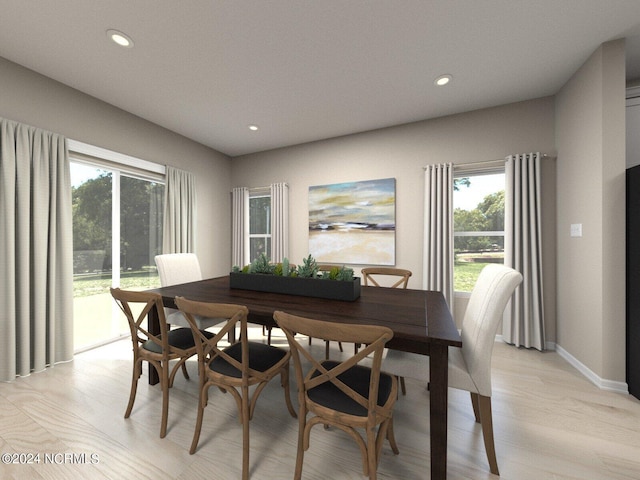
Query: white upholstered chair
[177, 268]
[470, 366]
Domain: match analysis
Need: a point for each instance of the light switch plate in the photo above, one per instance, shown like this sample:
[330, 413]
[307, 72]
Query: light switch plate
[576, 229]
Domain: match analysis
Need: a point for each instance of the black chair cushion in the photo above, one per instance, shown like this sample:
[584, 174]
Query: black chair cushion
[178, 337]
[261, 358]
[357, 378]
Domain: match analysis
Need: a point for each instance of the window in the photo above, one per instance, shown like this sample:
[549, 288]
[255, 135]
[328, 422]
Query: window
[117, 231]
[259, 223]
[478, 223]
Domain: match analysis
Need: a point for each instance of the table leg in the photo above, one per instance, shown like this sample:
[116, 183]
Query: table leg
[439, 382]
[153, 325]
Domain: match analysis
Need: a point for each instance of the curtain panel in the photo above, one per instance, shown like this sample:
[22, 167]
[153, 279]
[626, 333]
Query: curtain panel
[239, 226]
[524, 318]
[36, 257]
[179, 231]
[279, 221]
[438, 230]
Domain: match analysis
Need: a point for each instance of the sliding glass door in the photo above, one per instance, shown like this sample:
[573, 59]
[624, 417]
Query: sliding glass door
[117, 231]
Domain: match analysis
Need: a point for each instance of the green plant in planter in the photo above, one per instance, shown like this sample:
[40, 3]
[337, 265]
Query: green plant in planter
[286, 267]
[341, 274]
[345, 274]
[262, 265]
[278, 270]
[332, 274]
[309, 268]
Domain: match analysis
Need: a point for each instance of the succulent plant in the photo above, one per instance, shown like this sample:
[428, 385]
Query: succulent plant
[309, 268]
[286, 268]
[345, 274]
[261, 265]
[278, 270]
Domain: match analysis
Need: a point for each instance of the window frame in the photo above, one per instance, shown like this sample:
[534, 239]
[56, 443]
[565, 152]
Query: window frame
[118, 165]
[262, 192]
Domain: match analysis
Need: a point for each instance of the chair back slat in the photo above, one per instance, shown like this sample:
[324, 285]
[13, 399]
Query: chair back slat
[369, 273]
[208, 348]
[139, 334]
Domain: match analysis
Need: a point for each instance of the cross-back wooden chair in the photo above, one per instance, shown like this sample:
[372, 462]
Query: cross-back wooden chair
[343, 393]
[327, 268]
[234, 368]
[369, 276]
[158, 350]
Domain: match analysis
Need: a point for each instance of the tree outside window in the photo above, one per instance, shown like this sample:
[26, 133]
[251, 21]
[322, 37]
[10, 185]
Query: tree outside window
[117, 231]
[478, 220]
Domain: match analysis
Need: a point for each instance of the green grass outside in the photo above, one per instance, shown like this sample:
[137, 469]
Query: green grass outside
[465, 273]
[84, 286]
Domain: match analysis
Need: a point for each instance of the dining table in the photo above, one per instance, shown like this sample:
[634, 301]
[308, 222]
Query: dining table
[420, 319]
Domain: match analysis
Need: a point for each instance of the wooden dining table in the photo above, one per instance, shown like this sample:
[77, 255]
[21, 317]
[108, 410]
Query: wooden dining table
[420, 320]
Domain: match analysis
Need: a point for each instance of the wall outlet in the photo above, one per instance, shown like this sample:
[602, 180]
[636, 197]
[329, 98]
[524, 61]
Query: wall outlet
[576, 229]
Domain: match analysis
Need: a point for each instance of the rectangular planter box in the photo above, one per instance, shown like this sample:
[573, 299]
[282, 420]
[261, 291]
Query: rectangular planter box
[306, 287]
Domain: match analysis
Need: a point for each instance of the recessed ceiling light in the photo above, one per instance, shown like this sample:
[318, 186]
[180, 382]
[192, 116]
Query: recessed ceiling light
[254, 128]
[120, 38]
[442, 80]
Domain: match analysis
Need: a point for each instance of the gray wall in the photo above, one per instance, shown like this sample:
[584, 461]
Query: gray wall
[590, 116]
[33, 99]
[402, 152]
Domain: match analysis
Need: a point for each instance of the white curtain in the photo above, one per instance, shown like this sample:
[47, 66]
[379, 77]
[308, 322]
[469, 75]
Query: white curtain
[524, 321]
[279, 221]
[36, 253]
[438, 230]
[239, 226]
[179, 232]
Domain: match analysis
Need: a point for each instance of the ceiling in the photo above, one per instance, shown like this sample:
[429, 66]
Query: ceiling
[308, 70]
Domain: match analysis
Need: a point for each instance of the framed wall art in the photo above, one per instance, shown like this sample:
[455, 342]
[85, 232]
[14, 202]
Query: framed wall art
[353, 222]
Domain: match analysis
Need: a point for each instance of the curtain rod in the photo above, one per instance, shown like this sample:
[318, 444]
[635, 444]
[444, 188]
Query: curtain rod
[483, 163]
[479, 164]
[268, 187]
[264, 188]
[495, 162]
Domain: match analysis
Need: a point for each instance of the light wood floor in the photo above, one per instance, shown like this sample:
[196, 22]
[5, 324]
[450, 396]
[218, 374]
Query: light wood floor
[550, 423]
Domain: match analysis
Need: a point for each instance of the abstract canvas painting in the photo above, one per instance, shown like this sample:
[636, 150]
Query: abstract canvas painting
[353, 222]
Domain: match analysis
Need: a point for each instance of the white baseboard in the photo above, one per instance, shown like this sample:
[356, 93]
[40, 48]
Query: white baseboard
[601, 383]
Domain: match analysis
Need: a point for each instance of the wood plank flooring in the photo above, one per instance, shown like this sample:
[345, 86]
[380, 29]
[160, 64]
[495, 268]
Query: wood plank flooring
[550, 423]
